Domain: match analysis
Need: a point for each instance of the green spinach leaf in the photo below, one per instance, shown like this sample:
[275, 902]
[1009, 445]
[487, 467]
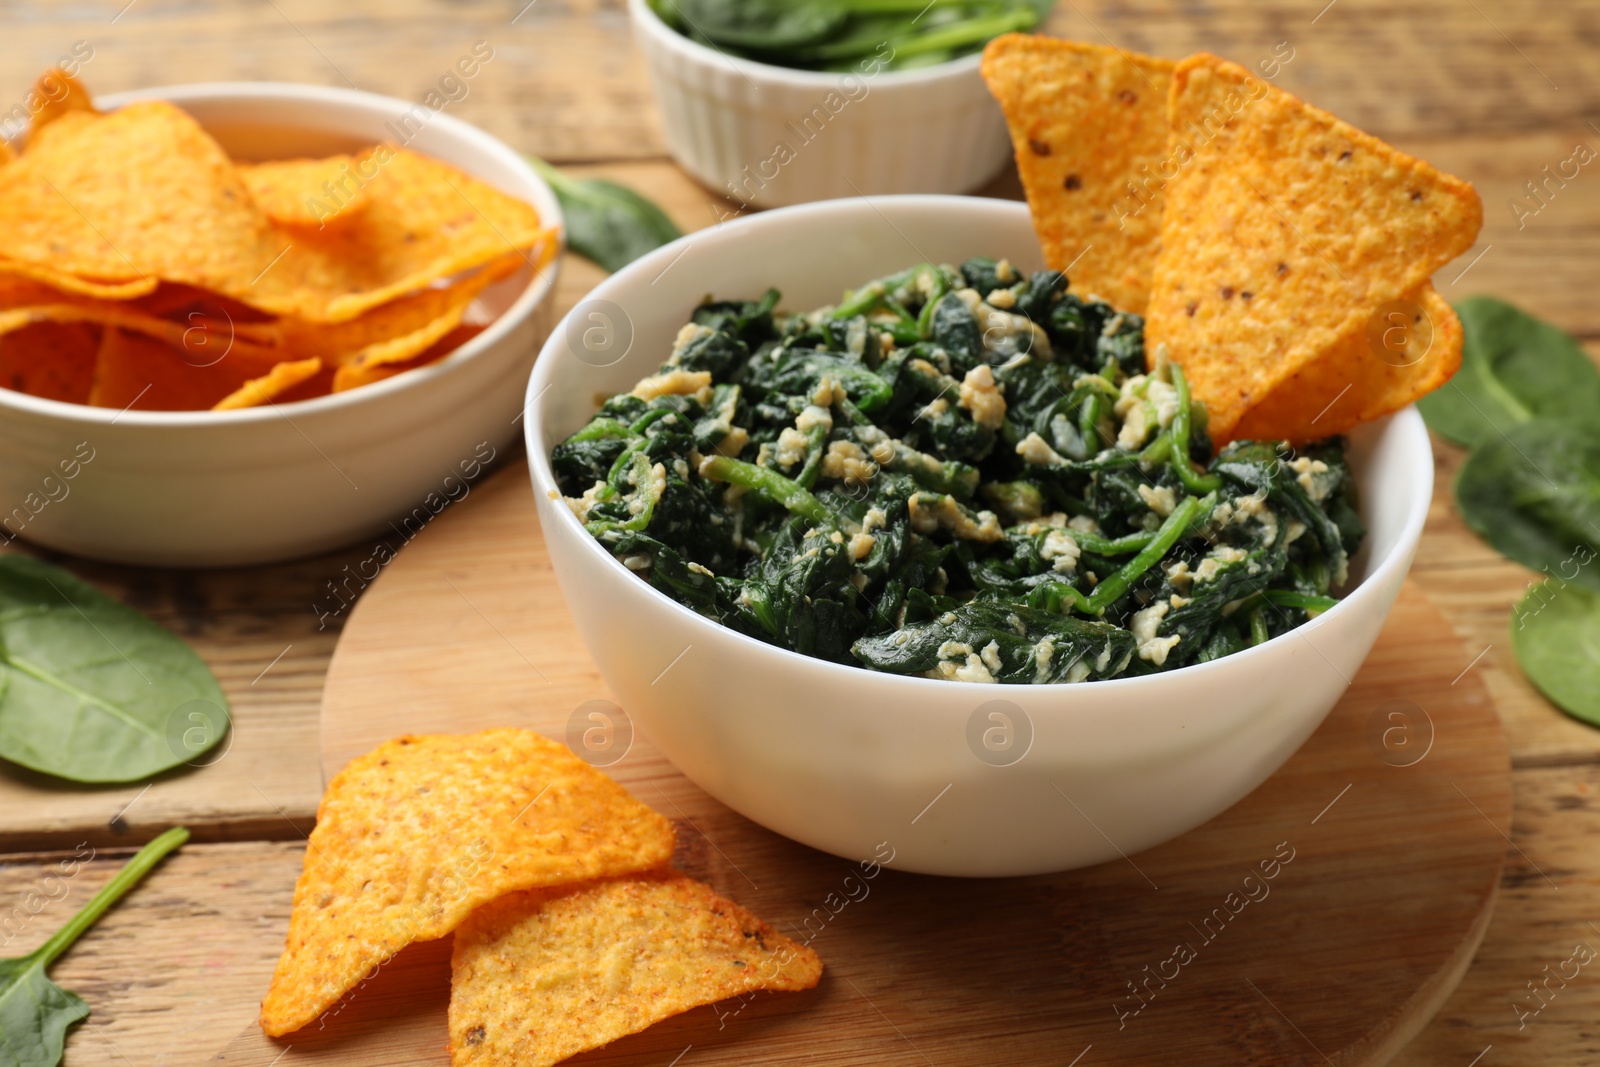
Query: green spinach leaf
[35, 1013]
[1513, 368]
[1555, 630]
[606, 222]
[90, 689]
[849, 36]
[1533, 493]
[761, 25]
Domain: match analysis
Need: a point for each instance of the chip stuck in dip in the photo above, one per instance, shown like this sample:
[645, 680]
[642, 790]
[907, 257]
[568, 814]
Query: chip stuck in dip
[209, 283]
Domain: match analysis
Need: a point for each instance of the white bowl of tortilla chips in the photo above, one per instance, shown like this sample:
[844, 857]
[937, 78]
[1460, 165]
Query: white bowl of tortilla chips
[357, 323]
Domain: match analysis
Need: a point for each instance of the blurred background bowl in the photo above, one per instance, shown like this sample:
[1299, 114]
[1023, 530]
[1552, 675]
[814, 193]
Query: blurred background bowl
[226, 488]
[843, 759]
[771, 136]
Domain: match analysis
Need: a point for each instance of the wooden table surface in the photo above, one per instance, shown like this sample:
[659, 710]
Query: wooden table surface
[1493, 90]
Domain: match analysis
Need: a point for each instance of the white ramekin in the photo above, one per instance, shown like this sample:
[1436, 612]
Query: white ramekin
[742, 127]
[226, 488]
[845, 759]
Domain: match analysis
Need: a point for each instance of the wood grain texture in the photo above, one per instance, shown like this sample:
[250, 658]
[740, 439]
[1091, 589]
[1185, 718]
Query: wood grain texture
[179, 965]
[177, 970]
[1438, 77]
[567, 83]
[1393, 869]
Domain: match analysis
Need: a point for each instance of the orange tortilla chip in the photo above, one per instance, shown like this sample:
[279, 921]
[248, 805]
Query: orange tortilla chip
[280, 379]
[50, 360]
[61, 94]
[319, 384]
[538, 977]
[11, 270]
[1284, 230]
[282, 353]
[1410, 349]
[201, 339]
[372, 364]
[425, 221]
[17, 291]
[135, 370]
[435, 352]
[1089, 127]
[447, 306]
[175, 208]
[138, 193]
[415, 835]
[307, 192]
[341, 342]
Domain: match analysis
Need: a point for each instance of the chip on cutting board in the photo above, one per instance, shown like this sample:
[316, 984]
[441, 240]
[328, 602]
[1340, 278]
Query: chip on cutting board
[1284, 230]
[538, 977]
[1089, 126]
[1406, 350]
[413, 836]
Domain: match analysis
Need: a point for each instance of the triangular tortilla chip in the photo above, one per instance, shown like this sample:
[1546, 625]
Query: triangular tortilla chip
[1089, 126]
[61, 95]
[51, 360]
[538, 977]
[194, 334]
[431, 314]
[1357, 380]
[308, 192]
[277, 381]
[135, 370]
[441, 348]
[174, 208]
[415, 835]
[425, 221]
[71, 283]
[1284, 230]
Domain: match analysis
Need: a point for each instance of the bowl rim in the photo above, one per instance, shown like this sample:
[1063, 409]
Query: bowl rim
[539, 288]
[1406, 423]
[645, 17]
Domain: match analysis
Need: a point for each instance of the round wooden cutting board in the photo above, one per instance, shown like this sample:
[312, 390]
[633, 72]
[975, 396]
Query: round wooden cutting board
[1387, 829]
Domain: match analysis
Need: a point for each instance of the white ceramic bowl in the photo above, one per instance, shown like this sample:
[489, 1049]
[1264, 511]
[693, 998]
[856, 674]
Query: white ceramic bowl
[844, 759]
[933, 130]
[206, 489]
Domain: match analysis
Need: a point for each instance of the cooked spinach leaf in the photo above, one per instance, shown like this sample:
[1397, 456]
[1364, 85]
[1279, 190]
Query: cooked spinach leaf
[35, 1013]
[883, 483]
[1514, 368]
[607, 222]
[1555, 630]
[1533, 493]
[90, 689]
